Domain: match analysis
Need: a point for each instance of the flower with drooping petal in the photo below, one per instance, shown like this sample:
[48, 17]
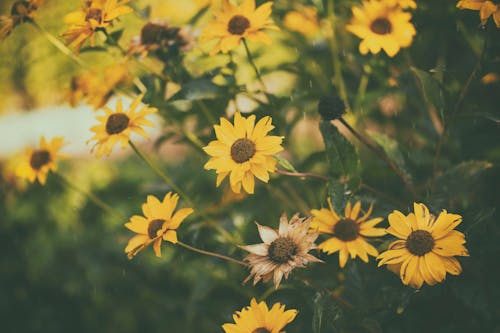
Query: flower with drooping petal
[158, 223]
[282, 250]
[486, 9]
[347, 232]
[258, 318]
[243, 151]
[426, 248]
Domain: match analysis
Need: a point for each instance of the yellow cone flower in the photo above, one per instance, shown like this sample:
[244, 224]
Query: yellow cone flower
[116, 126]
[486, 9]
[258, 318]
[426, 248]
[348, 232]
[158, 223]
[381, 25]
[243, 151]
[233, 23]
[36, 163]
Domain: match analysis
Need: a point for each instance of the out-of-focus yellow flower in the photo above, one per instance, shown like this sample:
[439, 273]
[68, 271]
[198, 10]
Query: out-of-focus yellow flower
[36, 163]
[233, 23]
[20, 12]
[158, 223]
[490, 78]
[304, 21]
[243, 151]
[382, 26]
[486, 9]
[426, 248]
[116, 126]
[407, 3]
[94, 15]
[259, 318]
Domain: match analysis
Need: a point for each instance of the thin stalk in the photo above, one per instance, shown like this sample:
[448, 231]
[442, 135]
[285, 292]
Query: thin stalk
[98, 202]
[206, 111]
[212, 254]
[342, 302]
[382, 155]
[252, 63]
[363, 83]
[301, 174]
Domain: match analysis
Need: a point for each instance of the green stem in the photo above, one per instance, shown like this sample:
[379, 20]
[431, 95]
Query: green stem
[98, 202]
[337, 66]
[252, 63]
[212, 254]
[206, 111]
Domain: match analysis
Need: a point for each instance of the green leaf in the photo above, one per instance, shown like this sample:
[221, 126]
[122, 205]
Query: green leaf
[200, 89]
[285, 163]
[116, 35]
[339, 194]
[327, 315]
[393, 151]
[342, 156]
[433, 94]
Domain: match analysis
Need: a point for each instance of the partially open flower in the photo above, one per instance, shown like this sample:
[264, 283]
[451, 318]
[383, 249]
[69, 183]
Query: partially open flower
[282, 250]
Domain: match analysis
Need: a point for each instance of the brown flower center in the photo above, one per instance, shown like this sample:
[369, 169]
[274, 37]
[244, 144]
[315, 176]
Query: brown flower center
[381, 26]
[20, 8]
[420, 242]
[261, 330]
[94, 14]
[154, 226]
[152, 33]
[116, 123]
[346, 230]
[242, 150]
[282, 250]
[238, 25]
[39, 158]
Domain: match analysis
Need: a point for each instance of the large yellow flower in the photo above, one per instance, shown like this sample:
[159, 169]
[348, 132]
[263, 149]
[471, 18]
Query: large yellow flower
[426, 247]
[243, 151]
[348, 232]
[94, 14]
[258, 318]
[36, 163]
[20, 12]
[486, 9]
[234, 23]
[382, 25]
[116, 126]
[158, 223]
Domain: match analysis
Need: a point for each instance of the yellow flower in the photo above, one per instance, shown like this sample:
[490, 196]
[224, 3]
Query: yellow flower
[282, 251]
[426, 247]
[95, 14]
[116, 126]
[20, 12]
[381, 25]
[234, 23]
[304, 21]
[257, 318]
[348, 232]
[36, 163]
[243, 151]
[486, 9]
[406, 3]
[158, 223]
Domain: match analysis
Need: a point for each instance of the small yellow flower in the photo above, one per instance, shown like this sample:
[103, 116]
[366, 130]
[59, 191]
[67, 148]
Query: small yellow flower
[243, 151]
[20, 12]
[348, 232]
[426, 248]
[233, 23]
[36, 163]
[304, 21]
[382, 25]
[158, 223]
[116, 126]
[486, 9]
[94, 15]
[258, 318]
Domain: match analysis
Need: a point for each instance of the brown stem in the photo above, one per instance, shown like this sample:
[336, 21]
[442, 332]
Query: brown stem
[212, 254]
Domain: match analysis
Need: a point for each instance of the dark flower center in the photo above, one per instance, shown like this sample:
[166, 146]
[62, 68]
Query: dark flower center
[242, 150]
[39, 158]
[282, 250]
[238, 25]
[261, 330]
[154, 226]
[21, 7]
[420, 242]
[346, 230]
[152, 33]
[381, 26]
[94, 14]
[116, 123]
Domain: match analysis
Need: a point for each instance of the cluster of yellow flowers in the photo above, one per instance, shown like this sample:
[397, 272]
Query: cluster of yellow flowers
[426, 245]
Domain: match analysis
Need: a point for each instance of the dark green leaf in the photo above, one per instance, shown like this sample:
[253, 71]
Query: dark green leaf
[339, 194]
[93, 49]
[327, 315]
[431, 89]
[116, 35]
